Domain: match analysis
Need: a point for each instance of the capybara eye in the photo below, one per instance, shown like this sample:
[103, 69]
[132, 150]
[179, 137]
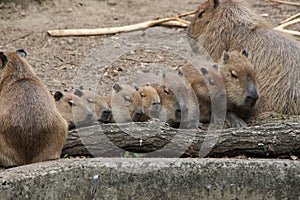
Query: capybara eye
[234, 74]
[127, 98]
[90, 100]
[212, 82]
[72, 103]
[143, 95]
[166, 90]
[201, 14]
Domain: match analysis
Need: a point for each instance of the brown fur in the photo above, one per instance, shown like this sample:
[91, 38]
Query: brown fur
[73, 109]
[228, 25]
[179, 107]
[205, 86]
[125, 103]
[96, 103]
[31, 128]
[234, 77]
[150, 102]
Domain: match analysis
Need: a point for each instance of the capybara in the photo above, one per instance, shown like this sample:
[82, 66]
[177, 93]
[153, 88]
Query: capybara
[73, 109]
[230, 25]
[96, 103]
[179, 106]
[31, 128]
[125, 103]
[150, 102]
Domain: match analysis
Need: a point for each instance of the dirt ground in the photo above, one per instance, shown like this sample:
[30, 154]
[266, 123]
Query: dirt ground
[98, 61]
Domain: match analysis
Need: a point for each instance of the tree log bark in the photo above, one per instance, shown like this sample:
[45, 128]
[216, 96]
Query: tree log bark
[155, 139]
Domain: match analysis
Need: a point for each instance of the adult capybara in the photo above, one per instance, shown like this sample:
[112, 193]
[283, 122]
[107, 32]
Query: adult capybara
[31, 128]
[230, 25]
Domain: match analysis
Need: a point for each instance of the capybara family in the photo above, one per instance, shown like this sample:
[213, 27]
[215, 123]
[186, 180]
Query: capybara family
[31, 128]
[224, 25]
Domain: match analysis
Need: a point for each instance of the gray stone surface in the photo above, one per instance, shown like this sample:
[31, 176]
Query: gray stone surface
[138, 178]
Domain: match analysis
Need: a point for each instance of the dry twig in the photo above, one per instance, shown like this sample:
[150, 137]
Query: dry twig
[290, 18]
[283, 2]
[289, 23]
[113, 30]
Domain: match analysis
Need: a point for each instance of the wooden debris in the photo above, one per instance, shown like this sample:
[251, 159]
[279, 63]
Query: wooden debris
[290, 18]
[174, 21]
[283, 2]
[289, 23]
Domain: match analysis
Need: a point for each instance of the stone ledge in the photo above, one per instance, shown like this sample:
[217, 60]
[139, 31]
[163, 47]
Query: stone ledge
[148, 178]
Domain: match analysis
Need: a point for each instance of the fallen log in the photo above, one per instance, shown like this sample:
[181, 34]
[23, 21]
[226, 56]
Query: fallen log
[276, 139]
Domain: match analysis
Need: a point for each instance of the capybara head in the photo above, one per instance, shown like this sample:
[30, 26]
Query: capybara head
[239, 79]
[15, 70]
[214, 82]
[97, 104]
[73, 109]
[212, 12]
[177, 99]
[169, 104]
[150, 101]
[218, 24]
[126, 103]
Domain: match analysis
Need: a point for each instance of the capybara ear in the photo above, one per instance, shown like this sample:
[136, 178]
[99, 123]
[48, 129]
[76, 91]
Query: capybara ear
[58, 95]
[245, 53]
[215, 3]
[117, 87]
[78, 92]
[135, 86]
[180, 72]
[204, 71]
[3, 59]
[226, 57]
[22, 53]
[215, 66]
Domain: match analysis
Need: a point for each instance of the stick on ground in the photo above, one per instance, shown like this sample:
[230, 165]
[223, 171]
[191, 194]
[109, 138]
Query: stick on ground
[290, 18]
[113, 30]
[289, 23]
[283, 2]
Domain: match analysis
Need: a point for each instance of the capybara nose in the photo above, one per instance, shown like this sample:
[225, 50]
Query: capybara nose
[178, 112]
[252, 97]
[106, 113]
[138, 115]
[89, 115]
